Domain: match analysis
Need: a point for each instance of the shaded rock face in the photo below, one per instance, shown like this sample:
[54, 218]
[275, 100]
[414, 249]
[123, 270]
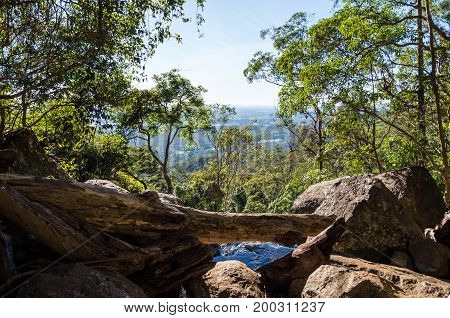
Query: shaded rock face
[7, 159]
[430, 258]
[418, 192]
[442, 231]
[229, 279]
[79, 281]
[377, 222]
[31, 159]
[350, 277]
[401, 259]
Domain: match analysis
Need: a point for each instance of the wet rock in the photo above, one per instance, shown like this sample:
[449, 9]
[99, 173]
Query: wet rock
[229, 279]
[350, 277]
[430, 258]
[80, 281]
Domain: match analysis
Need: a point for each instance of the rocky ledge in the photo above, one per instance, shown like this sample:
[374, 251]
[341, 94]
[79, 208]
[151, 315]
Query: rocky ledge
[364, 236]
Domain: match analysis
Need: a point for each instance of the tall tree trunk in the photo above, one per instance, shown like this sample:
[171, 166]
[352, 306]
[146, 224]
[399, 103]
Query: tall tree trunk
[167, 179]
[24, 110]
[437, 100]
[421, 88]
[2, 121]
[320, 135]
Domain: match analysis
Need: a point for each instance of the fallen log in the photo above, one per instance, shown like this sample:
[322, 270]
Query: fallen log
[68, 236]
[148, 216]
[286, 229]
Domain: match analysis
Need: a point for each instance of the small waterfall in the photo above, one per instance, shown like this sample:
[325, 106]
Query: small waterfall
[6, 249]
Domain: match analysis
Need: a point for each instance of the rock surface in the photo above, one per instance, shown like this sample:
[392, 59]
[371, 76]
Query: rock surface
[442, 231]
[349, 277]
[402, 259]
[7, 159]
[430, 257]
[31, 159]
[377, 222]
[107, 184]
[414, 187]
[227, 279]
[312, 198]
[79, 281]
[418, 192]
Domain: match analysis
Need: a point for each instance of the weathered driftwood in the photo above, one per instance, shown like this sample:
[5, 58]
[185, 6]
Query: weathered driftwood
[287, 229]
[147, 216]
[304, 260]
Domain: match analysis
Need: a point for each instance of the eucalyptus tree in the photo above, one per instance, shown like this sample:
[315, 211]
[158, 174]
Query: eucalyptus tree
[373, 69]
[172, 108]
[59, 51]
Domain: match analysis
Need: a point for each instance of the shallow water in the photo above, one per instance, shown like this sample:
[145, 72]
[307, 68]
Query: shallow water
[253, 254]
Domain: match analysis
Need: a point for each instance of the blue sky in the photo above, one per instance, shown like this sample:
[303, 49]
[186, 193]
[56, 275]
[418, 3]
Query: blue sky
[230, 38]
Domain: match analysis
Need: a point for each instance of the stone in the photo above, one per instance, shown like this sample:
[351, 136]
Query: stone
[107, 184]
[296, 287]
[7, 159]
[430, 258]
[31, 158]
[312, 198]
[418, 192]
[377, 223]
[402, 259]
[442, 231]
[229, 279]
[351, 277]
[76, 280]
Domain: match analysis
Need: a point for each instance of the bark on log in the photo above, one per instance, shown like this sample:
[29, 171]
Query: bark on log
[147, 216]
[69, 236]
[287, 229]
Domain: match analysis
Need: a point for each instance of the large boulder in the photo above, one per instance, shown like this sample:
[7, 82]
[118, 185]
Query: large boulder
[74, 280]
[414, 187]
[430, 258]
[418, 192]
[349, 277]
[377, 222]
[229, 279]
[30, 158]
[312, 198]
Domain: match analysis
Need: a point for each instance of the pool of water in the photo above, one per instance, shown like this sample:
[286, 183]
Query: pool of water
[253, 254]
